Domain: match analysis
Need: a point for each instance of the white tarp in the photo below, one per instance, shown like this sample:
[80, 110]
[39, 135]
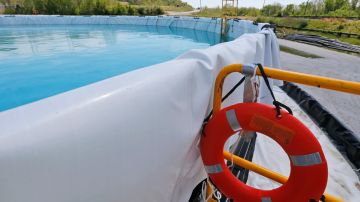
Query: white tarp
[128, 138]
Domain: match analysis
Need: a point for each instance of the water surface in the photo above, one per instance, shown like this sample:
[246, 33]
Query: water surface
[40, 61]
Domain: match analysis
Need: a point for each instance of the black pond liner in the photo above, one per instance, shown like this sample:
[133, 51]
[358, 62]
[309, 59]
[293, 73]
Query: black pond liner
[343, 138]
[324, 42]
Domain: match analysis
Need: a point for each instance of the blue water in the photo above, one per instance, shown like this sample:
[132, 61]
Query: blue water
[40, 61]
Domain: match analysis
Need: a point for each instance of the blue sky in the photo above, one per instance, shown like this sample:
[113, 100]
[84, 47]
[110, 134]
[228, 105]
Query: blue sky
[242, 3]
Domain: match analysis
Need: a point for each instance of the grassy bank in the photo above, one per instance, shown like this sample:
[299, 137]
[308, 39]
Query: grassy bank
[210, 12]
[94, 7]
[327, 24]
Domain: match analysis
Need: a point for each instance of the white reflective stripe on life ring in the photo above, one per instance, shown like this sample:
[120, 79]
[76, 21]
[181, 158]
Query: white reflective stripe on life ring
[306, 160]
[213, 169]
[232, 120]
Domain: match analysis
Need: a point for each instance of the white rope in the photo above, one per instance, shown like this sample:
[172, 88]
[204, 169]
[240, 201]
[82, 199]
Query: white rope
[217, 195]
[203, 190]
[214, 191]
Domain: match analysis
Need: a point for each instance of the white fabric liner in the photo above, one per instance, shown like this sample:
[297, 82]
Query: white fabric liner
[132, 137]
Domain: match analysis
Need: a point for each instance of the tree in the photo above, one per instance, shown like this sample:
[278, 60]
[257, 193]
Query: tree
[329, 5]
[65, 7]
[131, 11]
[100, 8]
[289, 10]
[120, 10]
[141, 11]
[341, 3]
[354, 4]
[5, 2]
[272, 10]
[39, 6]
[249, 11]
[316, 7]
[87, 7]
[27, 7]
[159, 11]
[51, 7]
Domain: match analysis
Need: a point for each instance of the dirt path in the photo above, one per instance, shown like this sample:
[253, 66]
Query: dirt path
[345, 107]
[185, 13]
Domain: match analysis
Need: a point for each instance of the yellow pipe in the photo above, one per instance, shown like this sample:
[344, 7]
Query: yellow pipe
[267, 173]
[306, 79]
[255, 168]
[209, 192]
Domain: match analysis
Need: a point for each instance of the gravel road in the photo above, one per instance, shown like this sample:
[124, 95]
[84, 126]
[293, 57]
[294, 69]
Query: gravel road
[345, 107]
[184, 13]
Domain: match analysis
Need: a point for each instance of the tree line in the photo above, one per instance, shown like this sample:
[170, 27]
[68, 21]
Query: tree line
[80, 7]
[335, 8]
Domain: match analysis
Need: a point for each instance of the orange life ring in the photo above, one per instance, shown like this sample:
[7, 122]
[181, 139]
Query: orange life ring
[308, 176]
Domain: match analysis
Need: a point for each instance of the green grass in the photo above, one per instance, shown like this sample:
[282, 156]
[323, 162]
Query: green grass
[210, 12]
[334, 25]
[298, 52]
[328, 24]
[289, 22]
[339, 25]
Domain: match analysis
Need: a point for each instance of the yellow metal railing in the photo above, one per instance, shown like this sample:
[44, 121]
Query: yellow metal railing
[306, 79]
